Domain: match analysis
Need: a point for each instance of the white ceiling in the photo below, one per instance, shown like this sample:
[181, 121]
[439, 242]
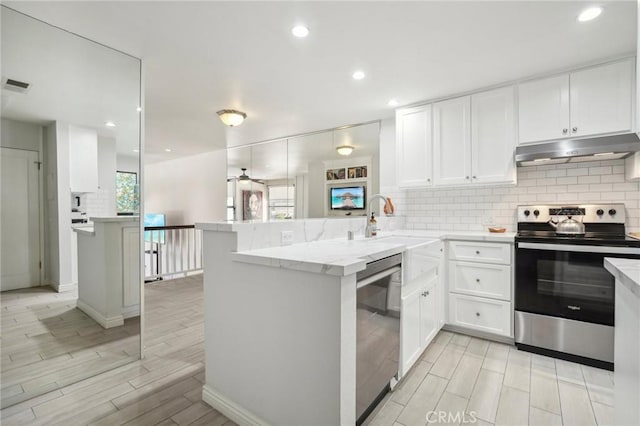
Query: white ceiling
[200, 57]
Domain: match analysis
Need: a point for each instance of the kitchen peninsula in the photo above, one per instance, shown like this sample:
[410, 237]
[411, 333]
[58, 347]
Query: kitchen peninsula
[281, 320]
[108, 269]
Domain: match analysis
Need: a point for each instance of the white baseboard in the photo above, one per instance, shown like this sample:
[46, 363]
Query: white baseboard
[230, 409]
[106, 322]
[61, 288]
[131, 311]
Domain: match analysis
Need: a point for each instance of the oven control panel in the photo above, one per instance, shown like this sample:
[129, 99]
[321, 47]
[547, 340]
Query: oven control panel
[592, 213]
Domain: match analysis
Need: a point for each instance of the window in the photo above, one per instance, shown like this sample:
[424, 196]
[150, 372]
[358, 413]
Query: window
[281, 202]
[231, 209]
[127, 193]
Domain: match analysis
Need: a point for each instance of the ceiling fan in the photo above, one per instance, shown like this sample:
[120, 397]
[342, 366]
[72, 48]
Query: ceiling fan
[244, 178]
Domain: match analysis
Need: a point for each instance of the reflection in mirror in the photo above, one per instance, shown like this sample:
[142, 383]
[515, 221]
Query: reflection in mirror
[70, 171]
[321, 174]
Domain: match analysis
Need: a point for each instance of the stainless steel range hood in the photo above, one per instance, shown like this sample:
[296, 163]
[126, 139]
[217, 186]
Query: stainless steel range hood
[577, 150]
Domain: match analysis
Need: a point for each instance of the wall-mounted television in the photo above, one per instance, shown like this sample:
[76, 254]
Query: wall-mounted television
[348, 198]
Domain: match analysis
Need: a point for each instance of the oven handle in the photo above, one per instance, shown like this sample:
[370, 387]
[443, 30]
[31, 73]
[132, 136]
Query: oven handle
[580, 248]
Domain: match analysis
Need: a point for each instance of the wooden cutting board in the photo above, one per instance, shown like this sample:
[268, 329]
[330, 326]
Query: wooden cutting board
[635, 235]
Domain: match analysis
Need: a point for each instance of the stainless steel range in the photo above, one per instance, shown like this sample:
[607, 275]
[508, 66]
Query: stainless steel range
[564, 298]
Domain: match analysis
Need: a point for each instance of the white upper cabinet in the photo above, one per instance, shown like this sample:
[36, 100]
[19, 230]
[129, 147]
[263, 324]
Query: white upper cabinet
[602, 99]
[414, 144]
[493, 136]
[83, 159]
[544, 109]
[593, 101]
[452, 141]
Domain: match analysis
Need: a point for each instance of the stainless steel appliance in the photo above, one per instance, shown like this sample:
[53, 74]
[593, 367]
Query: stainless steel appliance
[377, 332]
[564, 298]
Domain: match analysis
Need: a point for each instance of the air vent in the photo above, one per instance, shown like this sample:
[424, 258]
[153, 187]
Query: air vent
[16, 85]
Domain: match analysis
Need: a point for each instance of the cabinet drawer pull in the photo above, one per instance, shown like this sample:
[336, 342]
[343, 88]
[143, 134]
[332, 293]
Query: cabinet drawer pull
[564, 131]
[426, 293]
[477, 251]
[575, 129]
[477, 280]
[477, 314]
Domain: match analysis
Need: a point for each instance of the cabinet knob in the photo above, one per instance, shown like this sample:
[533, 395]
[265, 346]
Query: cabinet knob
[428, 180]
[477, 280]
[475, 177]
[575, 129]
[477, 314]
[427, 293]
[564, 131]
[477, 251]
[467, 178]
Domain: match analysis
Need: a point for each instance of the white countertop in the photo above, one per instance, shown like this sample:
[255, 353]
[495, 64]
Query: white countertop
[114, 218]
[626, 271]
[84, 230]
[342, 257]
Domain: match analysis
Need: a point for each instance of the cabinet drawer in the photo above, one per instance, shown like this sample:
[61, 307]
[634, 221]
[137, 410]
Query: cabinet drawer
[480, 252]
[479, 279]
[492, 316]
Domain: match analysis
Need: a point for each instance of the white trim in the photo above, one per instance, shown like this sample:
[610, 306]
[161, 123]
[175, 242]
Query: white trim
[106, 322]
[60, 288]
[131, 311]
[230, 409]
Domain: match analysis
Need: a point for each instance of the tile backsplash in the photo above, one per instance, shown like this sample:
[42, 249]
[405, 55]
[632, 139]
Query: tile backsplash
[99, 203]
[474, 208]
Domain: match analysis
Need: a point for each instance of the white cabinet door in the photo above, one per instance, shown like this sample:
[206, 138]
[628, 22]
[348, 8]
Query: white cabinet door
[452, 141]
[493, 136]
[83, 159]
[602, 99]
[413, 147]
[543, 109]
[428, 313]
[410, 330]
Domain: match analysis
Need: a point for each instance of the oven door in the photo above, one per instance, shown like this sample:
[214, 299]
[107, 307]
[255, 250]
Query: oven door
[567, 281]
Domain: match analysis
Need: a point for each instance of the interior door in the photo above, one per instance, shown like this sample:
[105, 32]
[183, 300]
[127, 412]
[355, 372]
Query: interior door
[20, 219]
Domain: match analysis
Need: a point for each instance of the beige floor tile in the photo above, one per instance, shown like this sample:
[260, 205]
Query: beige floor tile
[544, 362]
[544, 391]
[410, 383]
[517, 376]
[569, 372]
[599, 384]
[465, 375]
[460, 340]
[387, 414]
[447, 362]
[478, 347]
[575, 405]
[513, 408]
[432, 353]
[423, 400]
[496, 358]
[538, 417]
[450, 411]
[486, 395]
[192, 413]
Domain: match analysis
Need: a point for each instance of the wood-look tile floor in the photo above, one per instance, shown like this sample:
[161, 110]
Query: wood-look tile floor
[48, 343]
[163, 389]
[499, 384]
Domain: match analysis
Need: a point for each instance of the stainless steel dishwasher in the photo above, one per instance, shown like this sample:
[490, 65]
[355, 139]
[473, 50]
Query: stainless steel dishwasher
[377, 332]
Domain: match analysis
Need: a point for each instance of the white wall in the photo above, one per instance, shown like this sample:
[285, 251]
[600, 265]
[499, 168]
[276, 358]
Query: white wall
[388, 153]
[20, 135]
[188, 190]
[103, 201]
[128, 163]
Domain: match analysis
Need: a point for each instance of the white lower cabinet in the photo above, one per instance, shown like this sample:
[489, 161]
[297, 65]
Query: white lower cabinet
[480, 285]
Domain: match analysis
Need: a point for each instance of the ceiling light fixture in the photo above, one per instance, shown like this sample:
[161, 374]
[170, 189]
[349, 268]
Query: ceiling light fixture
[603, 154]
[393, 103]
[232, 117]
[139, 109]
[110, 124]
[136, 150]
[300, 31]
[358, 75]
[589, 14]
[345, 150]
[167, 150]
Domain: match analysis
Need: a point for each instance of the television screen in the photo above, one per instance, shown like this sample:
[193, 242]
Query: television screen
[154, 219]
[348, 198]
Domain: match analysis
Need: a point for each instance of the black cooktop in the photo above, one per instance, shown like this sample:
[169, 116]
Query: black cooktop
[589, 238]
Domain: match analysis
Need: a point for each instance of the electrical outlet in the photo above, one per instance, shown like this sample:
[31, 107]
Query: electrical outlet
[286, 237]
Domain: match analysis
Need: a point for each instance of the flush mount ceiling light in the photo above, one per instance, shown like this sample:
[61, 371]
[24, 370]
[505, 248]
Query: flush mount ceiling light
[358, 75]
[300, 31]
[167, 150]
[589, 14]
[110, 124]
[393, 103]
[232, 117]
[345, 150]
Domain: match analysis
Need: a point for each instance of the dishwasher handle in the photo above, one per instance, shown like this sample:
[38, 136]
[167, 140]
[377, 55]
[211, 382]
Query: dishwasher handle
[373, 278]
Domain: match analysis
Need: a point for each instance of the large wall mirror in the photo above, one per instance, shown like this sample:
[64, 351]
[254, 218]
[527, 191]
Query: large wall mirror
[70, 258]
[318, 175]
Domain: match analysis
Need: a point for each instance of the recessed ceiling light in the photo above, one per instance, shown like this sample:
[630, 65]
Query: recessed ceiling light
[136, 150]
[393, 103]
[110, 124]
[139, 109]
[589, 14]
[358, 75]
[300, 31]
[167, 150]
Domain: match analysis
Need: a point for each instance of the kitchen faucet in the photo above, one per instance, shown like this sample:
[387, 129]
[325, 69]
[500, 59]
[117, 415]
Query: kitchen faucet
[367, 232]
